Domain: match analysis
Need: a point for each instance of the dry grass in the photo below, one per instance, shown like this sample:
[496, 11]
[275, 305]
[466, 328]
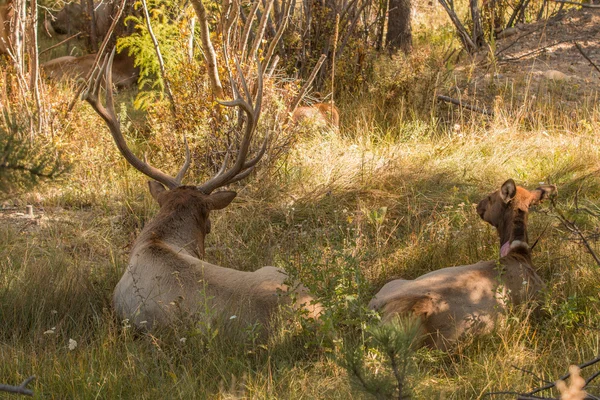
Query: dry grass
[387, 198]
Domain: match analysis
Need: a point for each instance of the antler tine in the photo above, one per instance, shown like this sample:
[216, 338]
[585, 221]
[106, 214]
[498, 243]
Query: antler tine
[186, 164]
[107, 112]
[241, 168]
[244, 83]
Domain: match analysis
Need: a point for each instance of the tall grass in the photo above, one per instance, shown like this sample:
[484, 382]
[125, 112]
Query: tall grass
[385, 197]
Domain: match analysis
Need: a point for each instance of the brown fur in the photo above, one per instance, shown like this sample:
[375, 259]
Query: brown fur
[72, 18]
[324, 114]
[5, 17]
[124, 74]
[166, 279]
[455, 301]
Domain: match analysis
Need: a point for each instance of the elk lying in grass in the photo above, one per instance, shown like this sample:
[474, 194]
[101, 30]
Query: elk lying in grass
[324, 114]
[124, 73]
[166, 278]
[455, 301]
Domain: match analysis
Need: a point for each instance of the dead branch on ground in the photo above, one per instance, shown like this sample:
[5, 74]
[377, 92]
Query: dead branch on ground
[21, 389]
[465, 105]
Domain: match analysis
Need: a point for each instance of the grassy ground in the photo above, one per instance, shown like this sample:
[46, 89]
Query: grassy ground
[344, 211]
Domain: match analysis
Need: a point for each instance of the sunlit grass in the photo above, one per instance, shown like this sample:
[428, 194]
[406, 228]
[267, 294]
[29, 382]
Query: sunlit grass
[390, 197]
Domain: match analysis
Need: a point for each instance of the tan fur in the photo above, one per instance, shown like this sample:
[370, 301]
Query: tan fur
[166, 279]
[320, 114]
[4, 28]
[455, 301]
[123, 71]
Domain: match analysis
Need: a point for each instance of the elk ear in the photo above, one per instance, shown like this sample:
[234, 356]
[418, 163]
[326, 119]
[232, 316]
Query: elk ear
[508, 190]
[156, 190]
[220, 200]
[543, 192]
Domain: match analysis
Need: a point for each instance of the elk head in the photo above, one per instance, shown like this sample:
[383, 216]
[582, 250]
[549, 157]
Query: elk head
[506, 209]
[192, 202]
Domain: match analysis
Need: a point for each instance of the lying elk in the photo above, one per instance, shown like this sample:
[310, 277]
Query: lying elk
[166, 278]
[324, 114]
[455, 301]
[124, 73]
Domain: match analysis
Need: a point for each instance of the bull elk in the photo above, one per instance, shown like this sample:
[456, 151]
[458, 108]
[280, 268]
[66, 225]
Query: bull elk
[324, 114]
[454, 301]
[166, 278]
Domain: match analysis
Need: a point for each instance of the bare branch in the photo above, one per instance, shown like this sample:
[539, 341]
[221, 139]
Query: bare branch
[161, 62]
[575, 229]
[209, 50]
[116, 17]
[280, 30]
[60, 43]
[465, 105]
[21, 389]
[586, 56]
[246, 31]
[261, 30]
[307, 84]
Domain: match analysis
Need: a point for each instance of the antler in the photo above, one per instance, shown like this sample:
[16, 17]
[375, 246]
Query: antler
[241, 168]
[92, 96]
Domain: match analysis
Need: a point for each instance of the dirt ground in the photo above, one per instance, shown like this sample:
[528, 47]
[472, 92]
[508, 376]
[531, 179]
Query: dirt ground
[548, 52]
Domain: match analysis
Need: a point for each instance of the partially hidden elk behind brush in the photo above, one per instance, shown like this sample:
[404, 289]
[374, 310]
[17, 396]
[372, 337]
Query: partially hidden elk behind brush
[166, 278]
[319, 114]
[456, 301]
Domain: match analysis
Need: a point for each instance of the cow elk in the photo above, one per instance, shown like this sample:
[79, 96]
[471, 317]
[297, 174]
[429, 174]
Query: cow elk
[166, 278]
[124, 73]
[455, 301]
[320, 114]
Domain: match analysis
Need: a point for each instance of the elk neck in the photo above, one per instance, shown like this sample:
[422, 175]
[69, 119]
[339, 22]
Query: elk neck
[180, 225]
[513, 228]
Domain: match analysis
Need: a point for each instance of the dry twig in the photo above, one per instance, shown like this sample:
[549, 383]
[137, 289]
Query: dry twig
[465, 105]
[21, 389]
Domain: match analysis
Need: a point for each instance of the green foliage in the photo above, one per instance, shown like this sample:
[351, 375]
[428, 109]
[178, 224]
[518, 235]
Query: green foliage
[380, 365]
[139, 45]
[24, 162]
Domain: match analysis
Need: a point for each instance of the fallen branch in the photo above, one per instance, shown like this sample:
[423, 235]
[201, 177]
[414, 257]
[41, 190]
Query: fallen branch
[534, 52]
[516, 41]
[21, 389]
[465, 105]
[586, 56]
[576, 3]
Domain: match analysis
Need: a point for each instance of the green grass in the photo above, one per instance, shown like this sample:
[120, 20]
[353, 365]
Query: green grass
[346, 212]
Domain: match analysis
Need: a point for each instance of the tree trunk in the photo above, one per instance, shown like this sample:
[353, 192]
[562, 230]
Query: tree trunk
[478, 38]
[399, 32]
